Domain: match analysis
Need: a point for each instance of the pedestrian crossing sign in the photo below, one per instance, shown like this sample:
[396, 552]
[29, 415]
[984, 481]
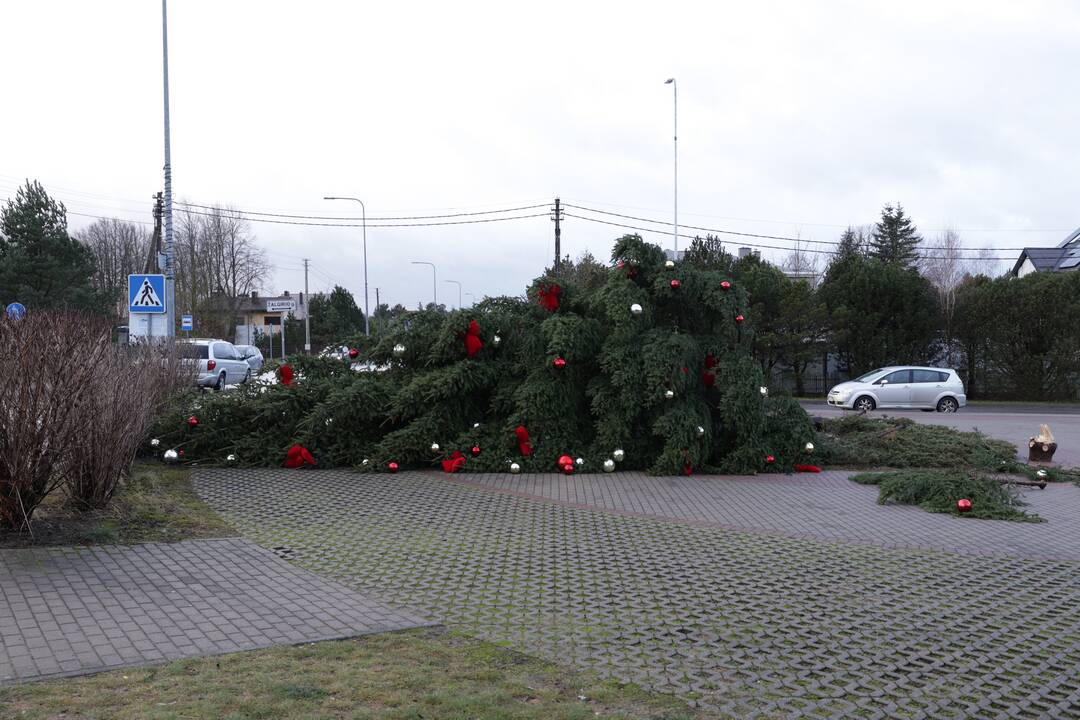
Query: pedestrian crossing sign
[146, 293]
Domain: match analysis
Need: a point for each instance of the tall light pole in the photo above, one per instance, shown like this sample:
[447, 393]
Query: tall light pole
[470, 295]
[434, 286]
[675, 87]
[363, 212]
[458, 291]
[170, 265]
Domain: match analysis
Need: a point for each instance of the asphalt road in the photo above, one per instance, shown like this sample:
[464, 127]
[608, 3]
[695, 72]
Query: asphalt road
[1013, 422]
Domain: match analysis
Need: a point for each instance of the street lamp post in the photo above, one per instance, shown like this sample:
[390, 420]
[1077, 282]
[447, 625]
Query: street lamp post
[434, 286]
[473, 300]
[363, 212]
[458, 291]
[675, 87]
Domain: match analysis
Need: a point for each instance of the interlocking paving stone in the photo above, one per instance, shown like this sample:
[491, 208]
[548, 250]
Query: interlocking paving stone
[752, 624]
[815, 506]
[66, 611]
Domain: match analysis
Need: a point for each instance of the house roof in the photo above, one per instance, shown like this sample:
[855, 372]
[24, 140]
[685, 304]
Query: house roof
[1063, 258]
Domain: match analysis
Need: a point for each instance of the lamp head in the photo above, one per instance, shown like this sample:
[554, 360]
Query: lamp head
[669, 81]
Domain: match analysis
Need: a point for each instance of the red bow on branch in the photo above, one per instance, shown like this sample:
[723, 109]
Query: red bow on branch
[708, 378]
[549, 297]
[523, 440]
[286, 374]
[455, 463]
[807, 468]
[472, 339]
[298, 456]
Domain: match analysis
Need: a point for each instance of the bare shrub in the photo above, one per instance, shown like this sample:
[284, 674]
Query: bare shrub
[132, 385]
[48, 366]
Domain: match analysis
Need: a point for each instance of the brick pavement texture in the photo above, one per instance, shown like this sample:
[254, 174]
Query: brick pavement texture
[749, 624]
[825, 506]
[71, 611]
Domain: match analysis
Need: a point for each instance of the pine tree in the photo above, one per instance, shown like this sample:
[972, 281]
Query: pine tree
[583, 371]
[40, 264]
[895, 239]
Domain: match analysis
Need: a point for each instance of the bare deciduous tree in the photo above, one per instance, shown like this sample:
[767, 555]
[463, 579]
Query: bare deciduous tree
[802, 262]
[119, 249]
[943, 264]
[217, 265]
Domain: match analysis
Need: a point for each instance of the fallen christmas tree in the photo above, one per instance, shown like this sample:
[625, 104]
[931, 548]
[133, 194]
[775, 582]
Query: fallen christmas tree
[651, 371]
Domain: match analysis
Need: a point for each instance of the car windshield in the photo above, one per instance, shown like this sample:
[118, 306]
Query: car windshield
[869, 375]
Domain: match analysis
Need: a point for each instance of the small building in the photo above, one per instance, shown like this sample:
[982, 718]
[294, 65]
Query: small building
[1063, 258]
[264, 314]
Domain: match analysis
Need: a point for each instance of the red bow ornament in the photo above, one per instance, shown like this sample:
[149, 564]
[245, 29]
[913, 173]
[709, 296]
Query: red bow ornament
[298, 456]
[549, 297]
[455, 463]
[472, 339]
[523, 440]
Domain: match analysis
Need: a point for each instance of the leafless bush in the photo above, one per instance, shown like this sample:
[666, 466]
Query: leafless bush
[132, 385]
[48, 363]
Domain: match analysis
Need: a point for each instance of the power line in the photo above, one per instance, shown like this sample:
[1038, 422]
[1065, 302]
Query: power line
[338, 218]
[767, 247]
[740, 234]
[370, 225]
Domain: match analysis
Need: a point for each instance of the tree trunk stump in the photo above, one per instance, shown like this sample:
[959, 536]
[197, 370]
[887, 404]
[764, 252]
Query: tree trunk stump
[1041, 452]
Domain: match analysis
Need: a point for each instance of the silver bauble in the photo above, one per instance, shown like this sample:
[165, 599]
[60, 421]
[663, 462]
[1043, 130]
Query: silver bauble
[619, 454]
[763, 390]
[496, 340]
[515, 468]
[399, 350]
[476, 425]
[155, 442]
[580, 462]
[434, 447]
[700, 431]
[365, 462]
[669, 264]
[171, 456]
[609, 465]
[1041, 474]
[230, 458]
[809, 448]
[669, 394]
[635, 309]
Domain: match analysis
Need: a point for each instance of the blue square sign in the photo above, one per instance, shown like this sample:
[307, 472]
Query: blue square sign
[187, 323]
[146, 293]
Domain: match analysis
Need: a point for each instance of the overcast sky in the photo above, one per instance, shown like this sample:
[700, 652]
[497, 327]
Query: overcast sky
[795, 119]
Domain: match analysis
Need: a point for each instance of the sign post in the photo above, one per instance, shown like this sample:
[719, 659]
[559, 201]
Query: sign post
[283, 307]
[147, 316]
[187, 323]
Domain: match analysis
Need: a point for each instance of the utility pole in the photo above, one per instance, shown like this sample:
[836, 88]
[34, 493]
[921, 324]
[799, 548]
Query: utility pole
[558, 234]
[151, 265]
[170, 264]
[307, 312]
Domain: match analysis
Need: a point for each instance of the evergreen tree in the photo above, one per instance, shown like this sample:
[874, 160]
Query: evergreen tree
[895, 239]
[40, 264]
[709, 253]
[852, 243]
[334, 317]
[584, 371]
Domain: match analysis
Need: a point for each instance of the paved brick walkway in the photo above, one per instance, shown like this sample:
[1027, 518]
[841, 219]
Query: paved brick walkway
[751, 624]
[824, 506]
[69, 611]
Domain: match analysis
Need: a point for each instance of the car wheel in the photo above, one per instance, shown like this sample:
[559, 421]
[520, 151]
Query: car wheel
[220, 385]
[864, 404]
[947, 405]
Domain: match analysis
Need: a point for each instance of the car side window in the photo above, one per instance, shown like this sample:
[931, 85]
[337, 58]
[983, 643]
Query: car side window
[899, 377]
[942, 377]
[224, 351]
[927, 376]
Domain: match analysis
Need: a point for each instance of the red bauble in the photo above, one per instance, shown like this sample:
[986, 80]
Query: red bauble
[192, 421]
[675, 284]
[392, 467]
[565, 460]
[181, 452]
[963, 505]
[475, 450]
[725, 286]
[568, 469]
[353, 352]
[769, 459]
[739, 318]
[559, 363]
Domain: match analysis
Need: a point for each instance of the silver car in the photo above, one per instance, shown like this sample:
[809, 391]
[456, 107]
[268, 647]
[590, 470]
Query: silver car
[253, 355]
[924, 388]
[219, 363]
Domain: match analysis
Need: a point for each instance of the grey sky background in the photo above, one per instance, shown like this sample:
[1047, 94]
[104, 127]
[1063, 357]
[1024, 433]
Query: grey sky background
[795, 119]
